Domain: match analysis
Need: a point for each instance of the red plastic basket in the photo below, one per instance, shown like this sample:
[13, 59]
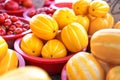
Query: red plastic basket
[52, 66]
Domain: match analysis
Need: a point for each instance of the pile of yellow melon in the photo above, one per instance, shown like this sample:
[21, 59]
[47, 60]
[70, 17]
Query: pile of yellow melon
[8, 57]
[51, 38]
[103, 63]
[9, 69]
[97, 11]
[67, 31]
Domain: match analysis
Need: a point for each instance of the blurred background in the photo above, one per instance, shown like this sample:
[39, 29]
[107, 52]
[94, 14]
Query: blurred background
[114, 4]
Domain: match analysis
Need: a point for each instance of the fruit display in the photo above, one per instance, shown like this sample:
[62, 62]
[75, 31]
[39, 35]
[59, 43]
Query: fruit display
[12, 25]
[75, 68]
[101, 23]
[84, 21]
[44, 26]
[97, 12]
[72, 38]
[71, 33]
[9, 58]
[51, 64]
[114, 73]
[9, 62]
[7, 5]
[28, 14]
[54, 52]
[64, 16]
[81, 38]
[26, 73]
[15, 7]
[104, 40]
[16, 4]
[3, 48]
[110, 19]
[80, 7]
[30, 48]
[83, 66]
[54, 49]
[98, 8]
[105, 45]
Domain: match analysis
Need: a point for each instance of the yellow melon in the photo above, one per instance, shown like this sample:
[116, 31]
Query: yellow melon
[54, 49]
[98, 8]
[64, 16]
[3, 48]
[81, 7]
[114, 73]
[84, 21]
[105, 45]
[26, 73]
[109, 17]
[31, 44]
[83, 66]
[74, 37]
[9, 62]
[98, 24]
[44, 26]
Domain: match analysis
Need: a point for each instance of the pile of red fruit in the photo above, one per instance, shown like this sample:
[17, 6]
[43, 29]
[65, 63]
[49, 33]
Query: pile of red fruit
[43, 10]
[15, 4]
[12, 25]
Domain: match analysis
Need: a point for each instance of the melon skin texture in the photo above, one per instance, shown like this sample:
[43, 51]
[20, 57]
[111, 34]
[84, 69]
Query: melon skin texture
[84, 66]
[44, 26]
[54, 49]
[74, 37]
[26, 73]
[99, 8]
[105, 45]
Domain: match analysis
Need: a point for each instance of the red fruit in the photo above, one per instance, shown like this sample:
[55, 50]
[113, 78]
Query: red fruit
[27, 3]
[52, 10]
[9, 32]
[2, 18]
[31, 13]
[18, 24]
[2, 31]
[14, 18]
[27, 26]
[12, 28]
[11, 5]
[18, 30]
[6, 15]
[7, 22]
[49, 10]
